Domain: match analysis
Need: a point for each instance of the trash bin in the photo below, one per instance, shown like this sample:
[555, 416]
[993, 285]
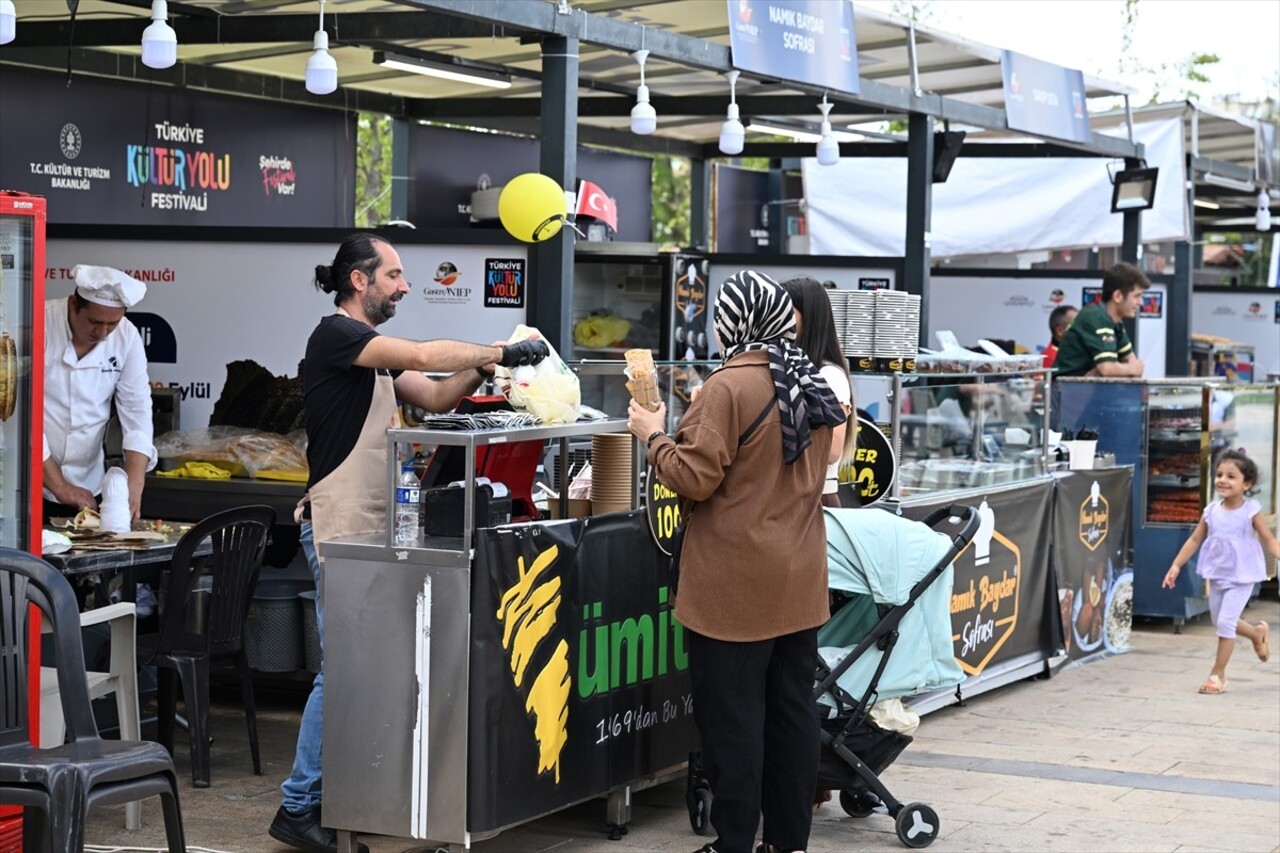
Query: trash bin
[273, 631]
[310, 631]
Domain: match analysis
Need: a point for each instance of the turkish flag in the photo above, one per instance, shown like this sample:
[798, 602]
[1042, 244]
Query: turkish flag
[593, 202]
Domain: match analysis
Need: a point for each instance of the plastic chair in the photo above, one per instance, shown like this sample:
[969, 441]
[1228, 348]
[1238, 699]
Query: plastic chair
[121, 678]
[58, 787]
[202, 629]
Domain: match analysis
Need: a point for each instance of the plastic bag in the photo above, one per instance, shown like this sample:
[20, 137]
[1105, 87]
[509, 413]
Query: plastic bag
[236, 449]
[551, 394]
[894, 716]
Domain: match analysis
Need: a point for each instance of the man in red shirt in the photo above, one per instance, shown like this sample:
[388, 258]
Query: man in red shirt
[1059, 321]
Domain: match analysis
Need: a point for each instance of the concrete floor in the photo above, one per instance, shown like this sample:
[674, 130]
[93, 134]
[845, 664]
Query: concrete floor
[1119, 754]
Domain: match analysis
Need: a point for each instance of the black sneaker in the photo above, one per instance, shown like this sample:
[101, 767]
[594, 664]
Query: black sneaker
[304, 832]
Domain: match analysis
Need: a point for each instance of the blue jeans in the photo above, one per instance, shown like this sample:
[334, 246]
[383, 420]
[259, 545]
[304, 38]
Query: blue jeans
[302, 788]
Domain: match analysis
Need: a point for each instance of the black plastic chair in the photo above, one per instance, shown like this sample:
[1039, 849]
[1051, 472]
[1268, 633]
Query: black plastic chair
[58, 787]
[201, 630]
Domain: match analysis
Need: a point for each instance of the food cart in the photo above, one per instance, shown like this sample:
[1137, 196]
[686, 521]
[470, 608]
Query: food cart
[517, 670]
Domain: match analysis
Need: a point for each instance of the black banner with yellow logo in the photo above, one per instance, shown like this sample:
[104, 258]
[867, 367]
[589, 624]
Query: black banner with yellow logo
[579, 671]
[1092, 540]
[1000, 604]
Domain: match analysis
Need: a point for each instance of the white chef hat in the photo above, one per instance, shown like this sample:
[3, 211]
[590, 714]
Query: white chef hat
[107, 286]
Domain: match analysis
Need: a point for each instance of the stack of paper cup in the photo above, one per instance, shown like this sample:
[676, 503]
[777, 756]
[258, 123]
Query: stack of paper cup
[114, 513]
[611, 472]
[642, 379]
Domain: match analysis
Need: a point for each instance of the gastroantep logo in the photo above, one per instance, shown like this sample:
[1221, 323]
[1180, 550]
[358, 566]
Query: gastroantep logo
[1094, 515]
[447, 274]
[1056, 296]
[1255, 308]
[987, 605]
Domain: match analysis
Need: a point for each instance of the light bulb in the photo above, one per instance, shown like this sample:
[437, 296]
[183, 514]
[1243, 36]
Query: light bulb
[1264, 212]
[732, 133]
[644, 118]
[828, 148]
[159, 41]
[322, 68]
[8, 21]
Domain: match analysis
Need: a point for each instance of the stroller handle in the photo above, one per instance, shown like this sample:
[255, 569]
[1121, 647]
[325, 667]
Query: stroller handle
[968, 518]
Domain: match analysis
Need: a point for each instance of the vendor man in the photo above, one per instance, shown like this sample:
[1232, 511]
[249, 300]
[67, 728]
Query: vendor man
[351, 378]
[1096, 343]
[91, 358]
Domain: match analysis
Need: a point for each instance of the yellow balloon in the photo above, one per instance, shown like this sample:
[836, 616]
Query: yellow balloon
[532, 207]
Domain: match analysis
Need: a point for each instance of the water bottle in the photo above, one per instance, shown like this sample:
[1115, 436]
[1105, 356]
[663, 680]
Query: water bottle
[408, 508]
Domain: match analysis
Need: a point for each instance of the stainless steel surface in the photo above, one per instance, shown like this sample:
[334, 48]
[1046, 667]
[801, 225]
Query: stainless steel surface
[382, 606]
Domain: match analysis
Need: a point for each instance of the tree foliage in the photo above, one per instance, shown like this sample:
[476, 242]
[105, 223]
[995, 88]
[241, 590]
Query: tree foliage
[671, 193]
[373, 170]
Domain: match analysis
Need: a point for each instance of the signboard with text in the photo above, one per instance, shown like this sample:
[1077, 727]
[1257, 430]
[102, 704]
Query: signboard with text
[579, 670]
[1043, 98]
[105, 152]
[810, 41]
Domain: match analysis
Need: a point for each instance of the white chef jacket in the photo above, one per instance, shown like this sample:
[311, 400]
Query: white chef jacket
[78, 394]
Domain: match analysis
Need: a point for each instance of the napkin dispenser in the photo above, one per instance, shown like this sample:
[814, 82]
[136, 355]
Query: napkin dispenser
[444, 507]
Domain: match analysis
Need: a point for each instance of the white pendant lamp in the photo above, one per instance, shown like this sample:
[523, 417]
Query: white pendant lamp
[322, 68]
[732, 133]
[159, 41]
[828, 148]
[8, 21]
[644, 119]
[1264, 212]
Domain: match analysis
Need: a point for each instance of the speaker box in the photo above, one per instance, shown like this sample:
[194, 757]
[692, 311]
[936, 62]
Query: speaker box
[946, 147]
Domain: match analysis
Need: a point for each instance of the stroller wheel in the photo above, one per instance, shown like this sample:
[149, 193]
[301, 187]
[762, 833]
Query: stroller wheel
[917, 825]
[699, 801]
[858, 804]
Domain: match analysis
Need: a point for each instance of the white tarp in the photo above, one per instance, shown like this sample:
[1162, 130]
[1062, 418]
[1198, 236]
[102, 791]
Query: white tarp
[993, 205]
[1250, 317]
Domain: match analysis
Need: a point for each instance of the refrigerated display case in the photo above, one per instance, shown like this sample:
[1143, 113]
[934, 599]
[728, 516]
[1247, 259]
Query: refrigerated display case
[1171, 430]
[22, 266]
[622, 302]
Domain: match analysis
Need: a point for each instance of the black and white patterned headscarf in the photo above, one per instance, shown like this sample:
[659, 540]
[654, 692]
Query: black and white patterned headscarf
[754, 312]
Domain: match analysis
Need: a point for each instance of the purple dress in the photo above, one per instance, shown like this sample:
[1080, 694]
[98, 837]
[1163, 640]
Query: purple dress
[1232, 553]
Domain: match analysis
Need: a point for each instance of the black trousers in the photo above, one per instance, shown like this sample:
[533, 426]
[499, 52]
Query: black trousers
[759, 726]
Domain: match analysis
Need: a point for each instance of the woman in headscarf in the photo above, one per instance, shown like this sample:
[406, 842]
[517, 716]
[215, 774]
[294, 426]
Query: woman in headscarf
[752, 453]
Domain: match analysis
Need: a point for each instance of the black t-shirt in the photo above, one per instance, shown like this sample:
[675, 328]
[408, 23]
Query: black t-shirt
[337, 392]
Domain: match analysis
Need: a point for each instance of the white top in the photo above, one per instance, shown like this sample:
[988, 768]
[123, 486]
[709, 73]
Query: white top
[78, 394]
[838, 378]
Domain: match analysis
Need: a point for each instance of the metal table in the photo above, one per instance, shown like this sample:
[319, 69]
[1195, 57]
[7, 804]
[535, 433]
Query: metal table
[94, 565]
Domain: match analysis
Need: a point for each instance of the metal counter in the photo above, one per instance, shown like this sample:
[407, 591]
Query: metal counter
[184, 499]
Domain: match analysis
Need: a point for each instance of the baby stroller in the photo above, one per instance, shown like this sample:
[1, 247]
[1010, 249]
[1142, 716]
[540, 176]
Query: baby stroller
[894, 577]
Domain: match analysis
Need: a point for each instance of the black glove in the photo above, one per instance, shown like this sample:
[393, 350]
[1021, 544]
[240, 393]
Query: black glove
[530, 351]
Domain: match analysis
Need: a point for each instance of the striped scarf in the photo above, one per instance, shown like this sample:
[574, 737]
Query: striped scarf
[753, 312]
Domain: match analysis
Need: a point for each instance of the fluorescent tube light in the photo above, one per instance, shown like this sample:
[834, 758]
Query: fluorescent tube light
[1206, 204]
[1229, 183]
[798, 134]
[443, 70]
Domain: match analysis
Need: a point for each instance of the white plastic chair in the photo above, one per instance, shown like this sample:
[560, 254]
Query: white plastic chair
[120, 678]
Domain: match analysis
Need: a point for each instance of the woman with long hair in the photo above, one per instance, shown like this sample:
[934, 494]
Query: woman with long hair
[816, 335]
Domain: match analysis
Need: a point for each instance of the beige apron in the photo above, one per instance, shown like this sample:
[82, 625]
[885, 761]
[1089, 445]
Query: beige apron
[352, 499]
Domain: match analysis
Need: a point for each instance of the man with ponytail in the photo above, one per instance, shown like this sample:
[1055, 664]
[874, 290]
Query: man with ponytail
[352, 377]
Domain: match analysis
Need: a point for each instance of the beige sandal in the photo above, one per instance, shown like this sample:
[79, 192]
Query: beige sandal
[1262, 648]
[1213, 686]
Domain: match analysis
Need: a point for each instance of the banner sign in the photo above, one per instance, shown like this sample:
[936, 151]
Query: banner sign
[579, 671]
[1092, 540]
[1043, 98]
[810, 41]
[105, 152]
[1001, 593]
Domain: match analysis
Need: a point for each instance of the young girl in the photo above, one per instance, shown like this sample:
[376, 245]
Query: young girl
[1232, 560]
[816, 335]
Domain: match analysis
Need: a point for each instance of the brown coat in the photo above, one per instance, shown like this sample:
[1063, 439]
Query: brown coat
[754, 564]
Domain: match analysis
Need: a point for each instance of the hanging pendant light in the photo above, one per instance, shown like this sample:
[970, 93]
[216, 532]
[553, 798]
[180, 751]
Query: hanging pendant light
[8, 21]
[828, 148]
[732, 133]
[322, 68]
[644, 118]
[159, 41]
[1263, 220]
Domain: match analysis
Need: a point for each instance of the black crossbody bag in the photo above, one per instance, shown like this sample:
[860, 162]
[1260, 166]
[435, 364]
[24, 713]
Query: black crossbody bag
[677, 539]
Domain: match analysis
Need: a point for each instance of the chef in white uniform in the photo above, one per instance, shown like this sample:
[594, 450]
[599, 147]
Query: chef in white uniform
[91, 357]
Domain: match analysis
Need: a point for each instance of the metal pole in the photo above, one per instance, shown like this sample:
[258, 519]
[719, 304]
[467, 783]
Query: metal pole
[399, 169]
[915, 266]
[551, 293]
[700, 205]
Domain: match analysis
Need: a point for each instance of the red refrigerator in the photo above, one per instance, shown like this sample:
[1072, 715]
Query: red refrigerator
[22, 269]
